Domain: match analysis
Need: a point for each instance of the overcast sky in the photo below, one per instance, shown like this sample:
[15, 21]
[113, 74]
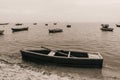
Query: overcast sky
[60, 10]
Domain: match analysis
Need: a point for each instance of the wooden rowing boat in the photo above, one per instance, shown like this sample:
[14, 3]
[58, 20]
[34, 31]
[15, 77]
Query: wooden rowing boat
[64, 57]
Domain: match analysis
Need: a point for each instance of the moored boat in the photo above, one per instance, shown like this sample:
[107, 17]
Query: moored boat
[57, 30]
[117, 25]
[64, 58]
[19, 29]
[46, 24]
[105, 27]
[18, 24]
[34, 23]
[55, 23]
[68, 26]
[1, 32]
[4, 23]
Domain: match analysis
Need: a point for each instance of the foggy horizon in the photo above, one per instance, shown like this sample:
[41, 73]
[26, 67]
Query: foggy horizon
[61, 11]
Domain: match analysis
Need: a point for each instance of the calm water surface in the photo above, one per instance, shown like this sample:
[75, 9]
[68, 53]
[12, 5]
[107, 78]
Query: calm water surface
[80, 37]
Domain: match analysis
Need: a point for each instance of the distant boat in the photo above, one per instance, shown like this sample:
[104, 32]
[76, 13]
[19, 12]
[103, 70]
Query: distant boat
[34, 23]
[55, 23]
[57, 30]
[64, 57]
[46, 24]
[118, 25]
[68, 26]
[105, 27]
[4, 23]
[19, 29]
[18, 24]
[1, 32]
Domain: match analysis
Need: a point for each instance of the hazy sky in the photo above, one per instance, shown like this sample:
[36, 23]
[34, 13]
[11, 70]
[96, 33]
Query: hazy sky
[60, 10]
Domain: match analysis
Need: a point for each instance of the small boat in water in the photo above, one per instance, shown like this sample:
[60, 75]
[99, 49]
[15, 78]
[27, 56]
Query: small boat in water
[118, 25]
[64, 57]
[46, 24]
[57, 30]
[34, 23]
[1, 32]
[19, 29]
[4, 23]
[18, 24]
[68, 26]
[55, 23]
[105, 27]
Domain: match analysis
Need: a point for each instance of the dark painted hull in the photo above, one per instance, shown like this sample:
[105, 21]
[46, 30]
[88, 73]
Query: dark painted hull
[105, 25]
[68, 26]
[107, 29]
[18, 24]
[83, 62]
[19, 29]
[117, 25]
[34, 23]
[46, 24]
[55, 30]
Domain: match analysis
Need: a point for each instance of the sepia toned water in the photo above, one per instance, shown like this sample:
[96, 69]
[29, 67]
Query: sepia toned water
[80, 37]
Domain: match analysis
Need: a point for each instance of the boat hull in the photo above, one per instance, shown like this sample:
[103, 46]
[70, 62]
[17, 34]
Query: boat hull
[19, 29]
[68, 26]
[4, 23]
[117, 25]
[55, 30]
[18, 24]
[73, 62]
[107, 29]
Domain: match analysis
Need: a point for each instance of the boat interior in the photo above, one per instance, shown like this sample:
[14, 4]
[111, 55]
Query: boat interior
[61, 53]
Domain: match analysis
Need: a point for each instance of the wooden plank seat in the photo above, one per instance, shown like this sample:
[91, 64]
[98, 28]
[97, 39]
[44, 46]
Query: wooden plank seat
[69, 54]
[51, 53]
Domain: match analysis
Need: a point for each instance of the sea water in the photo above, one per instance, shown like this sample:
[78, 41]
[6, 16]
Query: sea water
[80, 37]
